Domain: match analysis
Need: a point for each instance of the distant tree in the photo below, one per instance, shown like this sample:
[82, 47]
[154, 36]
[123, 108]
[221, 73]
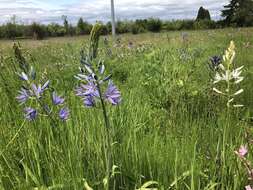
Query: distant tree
[203, 14]
[10, 31]
[72, 30]
[122, 27]
[65, 24]
[142, 23]
[38, 31]
[55, 30]
[83, 27]
[238, 13]
[13, 19]
[139, 26]
[1, 32]
[80, 26]
[154, 25]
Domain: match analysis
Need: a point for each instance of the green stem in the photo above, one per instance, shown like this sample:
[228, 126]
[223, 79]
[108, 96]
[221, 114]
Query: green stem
[107, 148]
[225, 130]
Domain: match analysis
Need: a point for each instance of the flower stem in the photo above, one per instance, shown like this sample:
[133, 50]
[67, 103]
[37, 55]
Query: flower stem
[108, 153]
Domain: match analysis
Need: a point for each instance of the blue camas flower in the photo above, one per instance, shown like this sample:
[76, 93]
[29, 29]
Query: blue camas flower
[89, 93]
[57, 100]
[112, 94]
[92, 85]
[64, 114]
[35, 93]
[30, 113]
[23, 96]
[215, 61]
[89, 101]
[89, 89]
[38, 90]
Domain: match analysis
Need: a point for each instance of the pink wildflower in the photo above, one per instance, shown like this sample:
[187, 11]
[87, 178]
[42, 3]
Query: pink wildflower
[248, 187]
[242, 152]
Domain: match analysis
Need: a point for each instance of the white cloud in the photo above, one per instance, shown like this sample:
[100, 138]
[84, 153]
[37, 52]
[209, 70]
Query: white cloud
[91, 10]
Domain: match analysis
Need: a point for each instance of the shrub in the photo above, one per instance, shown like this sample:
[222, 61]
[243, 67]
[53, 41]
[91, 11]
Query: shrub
[154, 25]
[38, 31]
[123, 27]
[136, 28]
[55, 30]
[204, 24]
[11, 31]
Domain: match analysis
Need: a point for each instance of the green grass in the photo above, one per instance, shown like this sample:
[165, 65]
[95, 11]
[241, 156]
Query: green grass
[168, 128]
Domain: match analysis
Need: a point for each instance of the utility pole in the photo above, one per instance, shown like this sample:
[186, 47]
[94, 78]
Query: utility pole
[113, 18]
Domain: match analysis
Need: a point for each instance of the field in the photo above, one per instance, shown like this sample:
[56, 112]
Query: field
[170, 127]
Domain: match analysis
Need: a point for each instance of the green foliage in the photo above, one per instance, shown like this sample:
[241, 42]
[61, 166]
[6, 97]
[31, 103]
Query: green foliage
[239, 13]
[137, 28]
[11, 31]
[71, 30]
[123, 27]
[204, 24]
[83, 27]
[38, 31]
[66, 25]
[55, 30]
[167, 130]
[179, 25]
[94, 40]
[154, 25]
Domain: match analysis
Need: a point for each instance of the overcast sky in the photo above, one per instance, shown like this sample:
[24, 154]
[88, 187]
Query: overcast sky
[45, 11]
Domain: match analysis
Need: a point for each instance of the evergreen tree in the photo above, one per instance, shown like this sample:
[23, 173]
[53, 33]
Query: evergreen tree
[65, 24]
[203, 14]
[239, 13]
[83, 27]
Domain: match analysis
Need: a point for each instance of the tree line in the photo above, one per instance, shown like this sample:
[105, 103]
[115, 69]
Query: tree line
[238, 13]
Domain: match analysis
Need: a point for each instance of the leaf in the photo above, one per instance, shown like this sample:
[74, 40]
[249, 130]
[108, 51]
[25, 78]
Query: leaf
[238, 92]
[86, 185]
[31, 175]
[182, 177]
[217, 91]
[146, 186]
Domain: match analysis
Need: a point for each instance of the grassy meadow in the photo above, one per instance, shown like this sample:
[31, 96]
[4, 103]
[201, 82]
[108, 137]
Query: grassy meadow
[170, 127]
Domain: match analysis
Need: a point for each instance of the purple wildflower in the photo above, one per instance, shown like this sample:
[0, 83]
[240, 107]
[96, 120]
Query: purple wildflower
[30, 113]
[215, 62]
[57, 100]
[38, 90]
[248, 187]
[89, 101]
[89, 89]
[23, 96]
[112, 94]
[64, 114]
